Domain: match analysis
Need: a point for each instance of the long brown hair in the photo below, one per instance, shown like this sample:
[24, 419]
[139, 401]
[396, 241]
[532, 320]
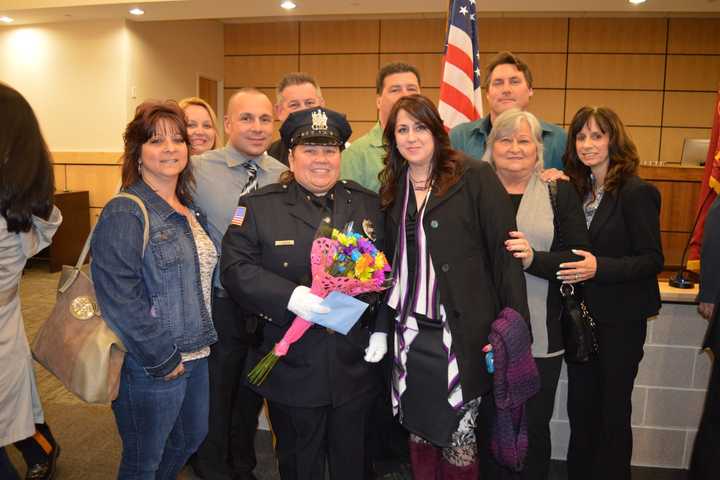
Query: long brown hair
[622, 152]
[446, 163]
[148, 116]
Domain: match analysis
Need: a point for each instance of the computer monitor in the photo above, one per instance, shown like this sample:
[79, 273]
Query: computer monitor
[695, 151]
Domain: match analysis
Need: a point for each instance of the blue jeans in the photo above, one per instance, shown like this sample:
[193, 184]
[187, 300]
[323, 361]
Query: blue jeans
[160, 423]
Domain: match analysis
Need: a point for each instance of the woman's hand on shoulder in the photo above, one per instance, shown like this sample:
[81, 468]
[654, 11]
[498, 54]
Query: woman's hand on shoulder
[520, 247]
[553, 174]
[579, 271]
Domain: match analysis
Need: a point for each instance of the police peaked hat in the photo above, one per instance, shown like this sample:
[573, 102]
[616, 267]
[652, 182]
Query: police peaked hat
[316, 126]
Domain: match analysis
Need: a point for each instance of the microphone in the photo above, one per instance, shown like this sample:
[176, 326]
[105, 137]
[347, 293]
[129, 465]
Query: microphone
[680, 280]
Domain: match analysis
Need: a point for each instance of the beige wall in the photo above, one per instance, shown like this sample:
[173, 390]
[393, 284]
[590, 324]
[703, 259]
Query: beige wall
[73, 74]
[166, 58]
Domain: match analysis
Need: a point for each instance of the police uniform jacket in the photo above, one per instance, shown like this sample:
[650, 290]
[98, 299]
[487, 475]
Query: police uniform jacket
[265, 258]
[465, 231]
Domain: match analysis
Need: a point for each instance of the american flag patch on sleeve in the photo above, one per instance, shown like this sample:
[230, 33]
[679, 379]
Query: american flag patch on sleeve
[238, 216]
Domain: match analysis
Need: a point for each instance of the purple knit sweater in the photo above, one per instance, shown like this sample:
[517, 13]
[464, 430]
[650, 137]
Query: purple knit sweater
[516, 379]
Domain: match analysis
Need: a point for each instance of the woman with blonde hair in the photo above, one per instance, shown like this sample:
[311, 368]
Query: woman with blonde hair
[201, 124]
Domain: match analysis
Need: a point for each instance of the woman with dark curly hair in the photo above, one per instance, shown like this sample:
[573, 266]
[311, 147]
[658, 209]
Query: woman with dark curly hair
[155, 294]
[447, 219]
[620, 286]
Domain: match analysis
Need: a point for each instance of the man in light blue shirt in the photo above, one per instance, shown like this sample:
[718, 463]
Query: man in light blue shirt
[507, 84]
[222, 176]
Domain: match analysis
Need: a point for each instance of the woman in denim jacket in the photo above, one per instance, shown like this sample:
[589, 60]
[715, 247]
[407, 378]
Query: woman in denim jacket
[157, 300]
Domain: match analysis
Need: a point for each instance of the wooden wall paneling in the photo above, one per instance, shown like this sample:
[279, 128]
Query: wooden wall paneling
[347, 36]
[356, 103]
[228, 92]
[547, 105]
[693, 72]
[548, 69]
[360, 128]
[647, 141]
[60, 177]
[432, 93]
[694, 35]
[258, 71]
[689, 109]
[618, 35]
[633, 107]
[100, 180]
[673, 139]
[522, 34]
[678, 199]
[413, 35]
[628, 72]
[673, 245]
[87, 158]
[341, 70]
[94, 216]
[274, 38]
[207, 90]
[428, 64]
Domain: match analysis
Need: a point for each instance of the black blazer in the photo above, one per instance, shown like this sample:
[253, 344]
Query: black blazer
[262, 262]
[466, 229]
[710, 274]
[573, 234]
[625, 237]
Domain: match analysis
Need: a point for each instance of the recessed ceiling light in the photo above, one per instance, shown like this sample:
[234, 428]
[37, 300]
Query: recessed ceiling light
[137, 11]
[5, 19]
[637, 2]
[288, 5]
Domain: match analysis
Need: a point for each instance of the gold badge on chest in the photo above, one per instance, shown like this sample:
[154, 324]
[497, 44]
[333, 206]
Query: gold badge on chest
[369, 229]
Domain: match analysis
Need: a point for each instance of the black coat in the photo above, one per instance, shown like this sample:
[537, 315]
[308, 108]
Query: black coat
[260, 270]
[710, 275]
[466, 229]
[625, 238]
[573, 234]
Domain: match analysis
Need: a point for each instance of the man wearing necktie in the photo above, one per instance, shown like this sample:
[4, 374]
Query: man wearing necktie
[222, 177]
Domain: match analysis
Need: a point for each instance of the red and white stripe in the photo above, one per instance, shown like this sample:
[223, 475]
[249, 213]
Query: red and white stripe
[459, 101]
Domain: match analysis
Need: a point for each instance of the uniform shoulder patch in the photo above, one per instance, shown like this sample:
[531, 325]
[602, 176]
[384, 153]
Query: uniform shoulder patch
[239, 216]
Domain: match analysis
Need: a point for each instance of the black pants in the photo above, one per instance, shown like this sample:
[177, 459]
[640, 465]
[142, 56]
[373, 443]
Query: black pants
[7, 471]
[705, 462]
[307, 437]
[599, 404]
[539, 410]
[229, 449]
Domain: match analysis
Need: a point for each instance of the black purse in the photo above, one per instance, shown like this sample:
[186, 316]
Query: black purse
[578, 324]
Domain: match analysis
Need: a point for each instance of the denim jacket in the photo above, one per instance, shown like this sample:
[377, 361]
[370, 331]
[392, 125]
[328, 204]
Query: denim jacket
[154, 303]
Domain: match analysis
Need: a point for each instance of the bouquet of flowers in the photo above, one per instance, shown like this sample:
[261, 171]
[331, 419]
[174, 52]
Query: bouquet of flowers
[341, 261]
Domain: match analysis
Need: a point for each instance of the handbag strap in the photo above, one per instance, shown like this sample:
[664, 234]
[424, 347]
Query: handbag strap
[552, 190]
[86, 248]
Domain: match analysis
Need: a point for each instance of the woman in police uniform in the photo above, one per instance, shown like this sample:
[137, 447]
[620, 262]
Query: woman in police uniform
[320, 392]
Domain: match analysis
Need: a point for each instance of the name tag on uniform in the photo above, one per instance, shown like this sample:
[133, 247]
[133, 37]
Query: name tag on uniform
[284, 243]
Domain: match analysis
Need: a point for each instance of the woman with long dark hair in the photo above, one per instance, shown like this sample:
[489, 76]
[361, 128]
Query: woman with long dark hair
[28, 220]
[447, 220]
[622, 214]
[156, 296]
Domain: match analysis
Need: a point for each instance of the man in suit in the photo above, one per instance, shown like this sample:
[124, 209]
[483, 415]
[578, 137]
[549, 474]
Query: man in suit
[705, 462]
[296, 91]
[507, 84]
[222, 176]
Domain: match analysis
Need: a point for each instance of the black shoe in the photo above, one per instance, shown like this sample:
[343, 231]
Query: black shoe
[45, 470]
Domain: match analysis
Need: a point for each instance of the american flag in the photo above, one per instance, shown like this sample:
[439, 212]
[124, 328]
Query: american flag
[460, 96]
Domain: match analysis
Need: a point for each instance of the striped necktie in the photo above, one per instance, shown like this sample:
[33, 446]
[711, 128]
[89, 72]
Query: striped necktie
[252, 182]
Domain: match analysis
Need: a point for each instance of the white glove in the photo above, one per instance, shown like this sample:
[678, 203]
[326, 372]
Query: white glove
[377, 347]
[305, 304]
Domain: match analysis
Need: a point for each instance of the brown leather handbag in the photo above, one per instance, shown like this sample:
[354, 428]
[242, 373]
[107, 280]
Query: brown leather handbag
[75, 343]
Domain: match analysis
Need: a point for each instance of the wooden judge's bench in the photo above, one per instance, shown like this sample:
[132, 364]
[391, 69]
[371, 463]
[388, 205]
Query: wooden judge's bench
[70, 237]
[679, 188]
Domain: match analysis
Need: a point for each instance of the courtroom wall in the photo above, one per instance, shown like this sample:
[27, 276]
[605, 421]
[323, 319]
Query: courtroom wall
[660, 74]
